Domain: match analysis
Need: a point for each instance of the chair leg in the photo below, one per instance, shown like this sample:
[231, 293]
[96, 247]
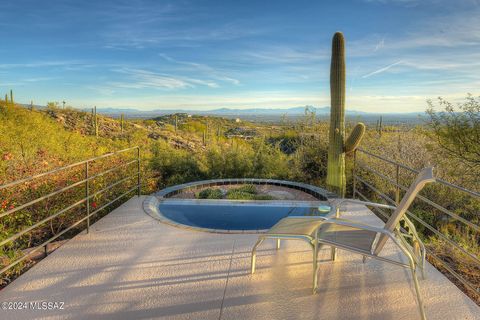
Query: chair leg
[333, 253]
[315, 266]
[417, 290]
[419, 250]
[254, 254]
[278, 244]
[424, 273]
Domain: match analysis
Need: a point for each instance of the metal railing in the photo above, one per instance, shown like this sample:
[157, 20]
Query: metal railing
[398, 187]
[86, 182]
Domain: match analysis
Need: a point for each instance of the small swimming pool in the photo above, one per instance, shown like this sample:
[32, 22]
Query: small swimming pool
[235, 215]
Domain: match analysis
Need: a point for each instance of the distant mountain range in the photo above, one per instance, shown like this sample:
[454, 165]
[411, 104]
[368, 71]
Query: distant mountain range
[294, 111]
[261, 114]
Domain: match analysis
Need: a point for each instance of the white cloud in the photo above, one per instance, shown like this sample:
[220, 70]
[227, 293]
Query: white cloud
[143, 79]
[286, 55]
[25, 81]
[205, 69]
[381, 69]
[142, 33]
[44, 64]
[379, 45]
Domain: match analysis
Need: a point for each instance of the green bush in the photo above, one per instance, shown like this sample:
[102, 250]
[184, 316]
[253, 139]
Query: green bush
[210, 194]
[264, 197]
[247, 192]
[174, 166]
[248, 188]
[239, 195]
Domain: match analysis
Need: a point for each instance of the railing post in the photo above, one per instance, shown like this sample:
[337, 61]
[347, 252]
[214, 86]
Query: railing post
[354, 173]
[397, 188]
[87, 196]
[138, 172]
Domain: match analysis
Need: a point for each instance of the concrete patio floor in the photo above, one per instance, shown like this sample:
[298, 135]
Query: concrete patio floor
[131, 266]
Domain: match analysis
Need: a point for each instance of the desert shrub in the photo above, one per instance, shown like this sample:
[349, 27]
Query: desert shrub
[210, 194]
[264, 197]
[228, 161]
[247, 192]
[248, 188]
[239, 195]
[174, 165]
[269, 161]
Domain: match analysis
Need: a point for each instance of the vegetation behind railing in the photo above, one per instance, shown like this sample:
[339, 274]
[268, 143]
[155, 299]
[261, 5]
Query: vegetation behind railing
[446, 215]
[55, 205]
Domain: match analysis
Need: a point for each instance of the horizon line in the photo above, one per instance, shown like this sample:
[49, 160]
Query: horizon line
[180, 110]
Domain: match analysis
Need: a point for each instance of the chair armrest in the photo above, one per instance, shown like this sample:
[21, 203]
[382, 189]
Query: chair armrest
[307, 217]
[371, 204]
[411, 228]
[411, 232]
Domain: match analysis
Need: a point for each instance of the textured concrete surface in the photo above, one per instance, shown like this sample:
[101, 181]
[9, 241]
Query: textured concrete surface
[133, 267]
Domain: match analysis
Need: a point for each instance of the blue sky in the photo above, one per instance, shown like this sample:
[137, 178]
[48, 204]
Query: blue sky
[238, 54]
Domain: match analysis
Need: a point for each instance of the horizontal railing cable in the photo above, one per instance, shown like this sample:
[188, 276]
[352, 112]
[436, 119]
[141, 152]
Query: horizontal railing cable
[86, 199]
[13, 183]
[424, 199]
[362, 165]
[432, 254]
[426, 225]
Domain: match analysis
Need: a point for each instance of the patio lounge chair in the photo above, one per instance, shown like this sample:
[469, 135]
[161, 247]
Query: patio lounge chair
[359, 237]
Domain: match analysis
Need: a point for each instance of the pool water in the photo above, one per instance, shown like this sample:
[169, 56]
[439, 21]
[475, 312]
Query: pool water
[234, 215]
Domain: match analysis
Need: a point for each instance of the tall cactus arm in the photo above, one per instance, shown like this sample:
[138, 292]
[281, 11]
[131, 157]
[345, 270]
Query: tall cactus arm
[355, 138]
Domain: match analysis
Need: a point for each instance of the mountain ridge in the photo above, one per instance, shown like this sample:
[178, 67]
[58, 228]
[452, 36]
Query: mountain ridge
[293, 111]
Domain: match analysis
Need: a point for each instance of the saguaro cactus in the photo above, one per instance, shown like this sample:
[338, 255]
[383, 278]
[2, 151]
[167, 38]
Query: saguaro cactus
[95, 120]
[121, 123]
[380, 126]
[337, 148]
[11, 96]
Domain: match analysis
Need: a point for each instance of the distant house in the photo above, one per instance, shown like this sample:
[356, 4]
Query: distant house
[189, 116]
[238, 120]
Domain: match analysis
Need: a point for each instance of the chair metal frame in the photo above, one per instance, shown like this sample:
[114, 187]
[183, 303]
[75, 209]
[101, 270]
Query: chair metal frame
[312, 241]
[393, 230]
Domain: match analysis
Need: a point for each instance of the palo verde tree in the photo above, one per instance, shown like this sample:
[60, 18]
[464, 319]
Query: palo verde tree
[457, 129]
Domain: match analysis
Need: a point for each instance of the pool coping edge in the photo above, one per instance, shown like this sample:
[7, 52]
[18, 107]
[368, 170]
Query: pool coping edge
[151, 203]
